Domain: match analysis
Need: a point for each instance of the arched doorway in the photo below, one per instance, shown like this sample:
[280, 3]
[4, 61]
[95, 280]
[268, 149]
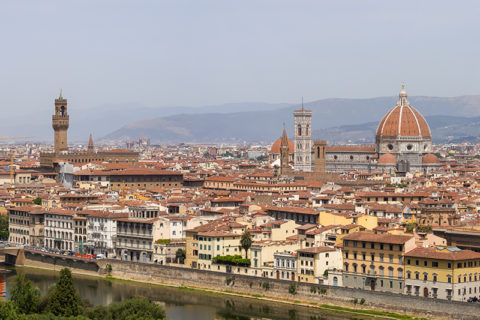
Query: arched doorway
[335, 281]
[425, 292]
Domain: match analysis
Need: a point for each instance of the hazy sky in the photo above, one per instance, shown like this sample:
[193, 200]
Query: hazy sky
[192, 53]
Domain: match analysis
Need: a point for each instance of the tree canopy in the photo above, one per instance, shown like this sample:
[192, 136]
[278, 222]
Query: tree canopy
[24, 295]
[246, 242]
[64, 299]
[62, 302]
[4, 231]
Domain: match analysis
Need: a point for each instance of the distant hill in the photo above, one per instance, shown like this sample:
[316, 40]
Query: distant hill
[336, 120]
[444, 129]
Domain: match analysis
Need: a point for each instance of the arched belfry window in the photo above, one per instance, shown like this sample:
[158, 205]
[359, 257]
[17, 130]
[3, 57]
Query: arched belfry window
[306, 131]
[299, 130]
[62, 110]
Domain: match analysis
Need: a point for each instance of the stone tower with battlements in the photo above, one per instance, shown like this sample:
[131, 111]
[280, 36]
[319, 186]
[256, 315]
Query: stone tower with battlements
[60, 123]
[303, 139]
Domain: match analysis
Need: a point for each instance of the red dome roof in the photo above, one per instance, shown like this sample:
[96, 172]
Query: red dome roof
[276, 146]
[387, 158]
[403, 120]
[430, 159]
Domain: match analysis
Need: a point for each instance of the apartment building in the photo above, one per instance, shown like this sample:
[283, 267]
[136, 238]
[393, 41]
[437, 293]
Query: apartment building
[314, 261]
[26, 225]
[102, 232]
[442, 273]
[59, 230]
[375, 261]
[136, 234]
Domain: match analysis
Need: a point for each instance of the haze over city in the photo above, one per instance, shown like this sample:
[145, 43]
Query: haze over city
[192, 53]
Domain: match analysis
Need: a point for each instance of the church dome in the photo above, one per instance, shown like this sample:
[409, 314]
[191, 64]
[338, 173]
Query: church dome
[403, 120]
[276, 146]
[387, 158]
[430, 159]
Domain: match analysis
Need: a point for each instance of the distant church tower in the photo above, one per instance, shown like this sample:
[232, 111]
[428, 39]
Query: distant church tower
[90, 147]
[284, 154]
[303, 139]
[60, 121]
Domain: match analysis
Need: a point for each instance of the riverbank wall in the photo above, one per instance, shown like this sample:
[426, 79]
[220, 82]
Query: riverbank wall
[269, 288]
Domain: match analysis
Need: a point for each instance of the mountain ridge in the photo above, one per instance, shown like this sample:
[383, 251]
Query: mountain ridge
[266, 125]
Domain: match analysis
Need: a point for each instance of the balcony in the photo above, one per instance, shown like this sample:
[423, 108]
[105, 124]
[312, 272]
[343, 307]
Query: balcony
[134, 234]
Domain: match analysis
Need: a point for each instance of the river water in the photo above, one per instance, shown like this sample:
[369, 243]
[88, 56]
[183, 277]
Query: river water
[179, 304]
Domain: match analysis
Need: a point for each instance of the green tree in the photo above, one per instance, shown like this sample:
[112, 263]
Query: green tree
[37, 201]
[180, 255]
[131, 309]
[8, 311]
[24, 295]
[64, 299]
[4, 233]
[246, 242]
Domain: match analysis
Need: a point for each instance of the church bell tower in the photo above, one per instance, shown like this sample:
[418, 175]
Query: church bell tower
[60, 122]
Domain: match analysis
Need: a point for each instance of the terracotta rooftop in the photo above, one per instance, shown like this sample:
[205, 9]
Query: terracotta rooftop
[372, 237]
[445, 254]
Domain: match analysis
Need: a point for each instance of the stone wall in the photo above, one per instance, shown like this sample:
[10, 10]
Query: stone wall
[307, 293]
[236, 283]
[42, 259]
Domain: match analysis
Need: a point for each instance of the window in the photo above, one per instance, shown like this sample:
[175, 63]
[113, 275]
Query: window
[390, 257]
[435, 264]
[434, 277]
[425, 263]
[381, 257]
[425, 276]
[408, 261]
[346, 254]
[391, 247]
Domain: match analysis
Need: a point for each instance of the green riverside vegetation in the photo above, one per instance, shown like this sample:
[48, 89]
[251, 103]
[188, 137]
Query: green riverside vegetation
[235, 260]
[63, 302]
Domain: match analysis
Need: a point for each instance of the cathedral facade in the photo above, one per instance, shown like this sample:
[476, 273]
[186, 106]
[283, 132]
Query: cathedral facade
[403, 143]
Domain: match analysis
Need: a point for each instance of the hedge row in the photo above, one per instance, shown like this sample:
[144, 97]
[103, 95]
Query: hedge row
[235, 260]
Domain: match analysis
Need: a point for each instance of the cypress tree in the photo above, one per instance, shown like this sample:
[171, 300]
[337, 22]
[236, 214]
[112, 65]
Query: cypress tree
[64, 300]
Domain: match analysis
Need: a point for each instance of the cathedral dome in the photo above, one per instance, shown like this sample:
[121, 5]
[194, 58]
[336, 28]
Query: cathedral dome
[403, 121]
[430, 159]
[276, 146]
[387, 158]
